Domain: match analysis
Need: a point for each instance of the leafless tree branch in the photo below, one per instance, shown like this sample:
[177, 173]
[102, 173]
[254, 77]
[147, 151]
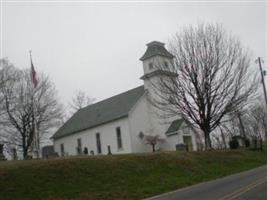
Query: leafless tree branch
[213, 78]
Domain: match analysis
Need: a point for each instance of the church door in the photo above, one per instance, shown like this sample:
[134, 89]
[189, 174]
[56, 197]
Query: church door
[188, 142]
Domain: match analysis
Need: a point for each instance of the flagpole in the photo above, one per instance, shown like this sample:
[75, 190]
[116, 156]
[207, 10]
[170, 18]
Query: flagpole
[35, 136]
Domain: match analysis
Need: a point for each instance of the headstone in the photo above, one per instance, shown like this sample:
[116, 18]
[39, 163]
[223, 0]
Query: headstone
[48, 152]
[85, 151]
[109, 150]
[181, 147]
[2, 157]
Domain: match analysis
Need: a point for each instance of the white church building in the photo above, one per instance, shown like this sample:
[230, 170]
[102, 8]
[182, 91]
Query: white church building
[119, 124]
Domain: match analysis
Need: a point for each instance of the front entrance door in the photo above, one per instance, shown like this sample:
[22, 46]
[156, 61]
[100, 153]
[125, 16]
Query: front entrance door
[188, 142]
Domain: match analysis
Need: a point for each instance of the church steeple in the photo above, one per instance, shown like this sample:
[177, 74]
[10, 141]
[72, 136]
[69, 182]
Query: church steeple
[157, 60]
[156, 48]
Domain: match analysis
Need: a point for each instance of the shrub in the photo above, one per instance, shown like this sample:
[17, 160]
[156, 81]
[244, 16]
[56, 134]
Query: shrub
[233, 144]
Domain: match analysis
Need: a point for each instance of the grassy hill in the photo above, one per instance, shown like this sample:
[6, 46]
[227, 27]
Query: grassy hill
[119, 177]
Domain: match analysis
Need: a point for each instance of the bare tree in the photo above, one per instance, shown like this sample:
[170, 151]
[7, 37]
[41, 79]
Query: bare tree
[4, 78]
[213, 78]
[220, 136]
[153, 140]
[80, 100]
[256, 121]
[29, 112]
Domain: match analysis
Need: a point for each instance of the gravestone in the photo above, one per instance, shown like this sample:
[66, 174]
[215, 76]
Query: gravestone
[109, 150]
[48, 152]
[85, 151]
[181, 147]
[2, 157]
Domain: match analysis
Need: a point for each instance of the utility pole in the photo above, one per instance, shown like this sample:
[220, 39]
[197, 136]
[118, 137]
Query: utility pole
[259, 60]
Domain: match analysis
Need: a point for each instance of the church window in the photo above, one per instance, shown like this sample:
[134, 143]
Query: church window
[141, 135]
[79, 146]
[98, 143]
[62, 149]
[119, 140]
[150, 65]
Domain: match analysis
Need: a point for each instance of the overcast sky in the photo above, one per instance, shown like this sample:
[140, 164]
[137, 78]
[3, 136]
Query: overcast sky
[95, 47]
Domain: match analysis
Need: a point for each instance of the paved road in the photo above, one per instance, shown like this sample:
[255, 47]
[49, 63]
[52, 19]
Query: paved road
[249, 185]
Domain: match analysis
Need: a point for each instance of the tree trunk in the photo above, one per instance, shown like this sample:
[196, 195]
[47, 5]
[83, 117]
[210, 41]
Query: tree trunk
[153, 148]
[25, 153]
[25, 150]
[223, 139]
[207, 138]
[242, 129]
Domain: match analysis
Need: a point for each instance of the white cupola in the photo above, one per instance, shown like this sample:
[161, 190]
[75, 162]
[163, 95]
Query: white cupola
[157, 61]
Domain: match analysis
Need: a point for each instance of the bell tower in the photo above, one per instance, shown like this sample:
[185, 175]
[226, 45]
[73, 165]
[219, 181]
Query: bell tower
[157, 61]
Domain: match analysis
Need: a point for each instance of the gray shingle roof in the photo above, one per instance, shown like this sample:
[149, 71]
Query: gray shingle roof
[175, 126]
[105, 111]
[156, 48]
[159, 72]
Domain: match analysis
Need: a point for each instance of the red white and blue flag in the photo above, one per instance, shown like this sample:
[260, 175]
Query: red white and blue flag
[33, 75]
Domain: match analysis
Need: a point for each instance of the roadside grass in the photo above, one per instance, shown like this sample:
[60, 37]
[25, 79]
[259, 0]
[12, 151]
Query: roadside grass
[119, 177]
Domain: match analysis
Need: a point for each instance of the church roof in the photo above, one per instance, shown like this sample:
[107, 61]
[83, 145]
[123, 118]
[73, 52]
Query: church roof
[102, 112]
[156, 48]
[175, 126]
[159, 72]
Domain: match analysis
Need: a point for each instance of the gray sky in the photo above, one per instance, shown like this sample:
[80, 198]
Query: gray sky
[95, 47]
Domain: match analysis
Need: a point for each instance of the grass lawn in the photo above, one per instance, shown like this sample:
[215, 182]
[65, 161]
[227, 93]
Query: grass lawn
[119, 177]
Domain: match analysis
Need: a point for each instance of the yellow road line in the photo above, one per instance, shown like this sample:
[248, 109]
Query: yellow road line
[245, 189]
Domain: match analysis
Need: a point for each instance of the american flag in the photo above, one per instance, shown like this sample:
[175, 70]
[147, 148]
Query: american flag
[33, 75]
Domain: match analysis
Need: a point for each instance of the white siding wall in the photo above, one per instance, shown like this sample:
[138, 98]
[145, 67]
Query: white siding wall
[155, 122]
[158, 63]
[172, 140]
[159, 119]
[108, 137]
[139, 121]
[143, 118]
